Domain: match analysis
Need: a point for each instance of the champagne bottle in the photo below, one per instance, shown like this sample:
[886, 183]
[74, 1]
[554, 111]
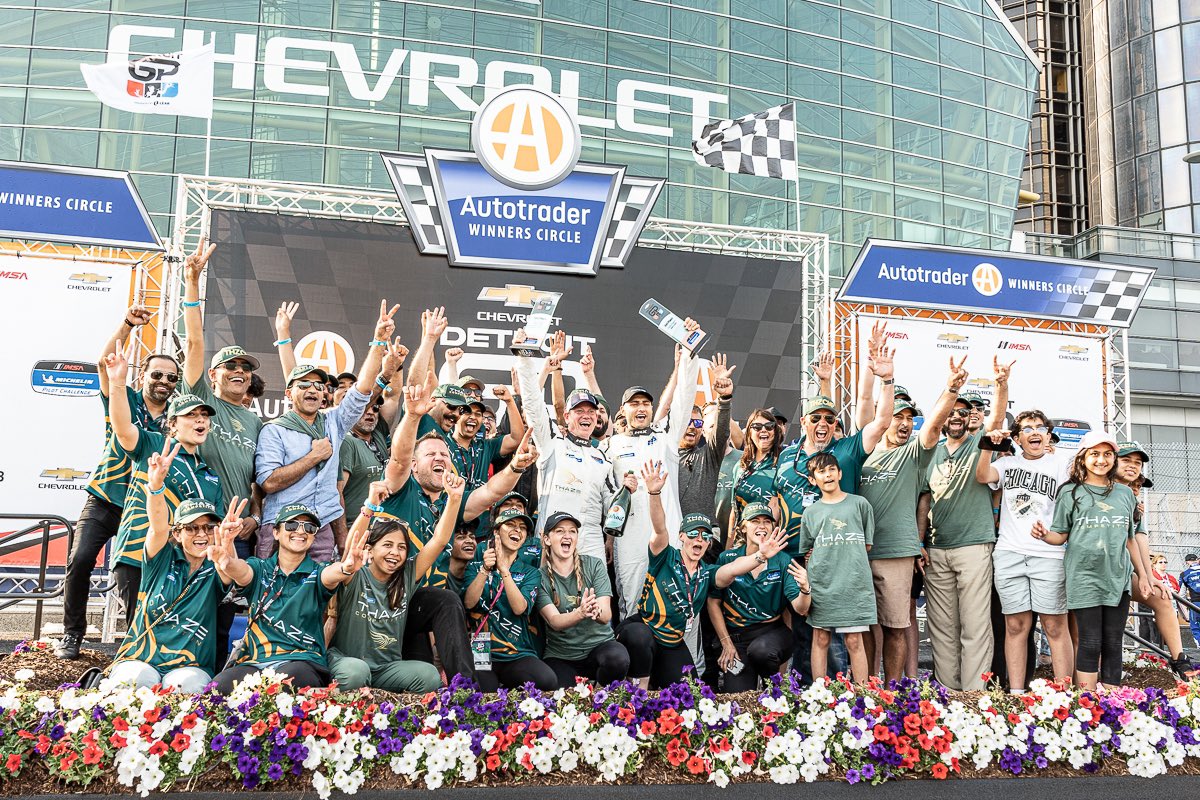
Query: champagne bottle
[618, 512]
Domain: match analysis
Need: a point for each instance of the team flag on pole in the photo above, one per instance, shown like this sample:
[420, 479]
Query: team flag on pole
[178, 84]
[756, 144]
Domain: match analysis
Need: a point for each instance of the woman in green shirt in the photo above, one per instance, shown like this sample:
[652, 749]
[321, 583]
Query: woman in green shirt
[367, 618]
[1094, 517]
[170, 639]
[576, 602]
[676, 588]
[504, 588]
[748, 614]
[754, 478]
[288, 595]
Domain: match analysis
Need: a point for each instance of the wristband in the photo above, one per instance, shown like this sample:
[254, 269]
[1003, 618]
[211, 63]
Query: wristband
[378, 343]
[951, 391]
[191, 303]
[802, 591]
[160, 489]
[654, 494]
[889, 381]
[345, 572]
[130, 324]
[374, 509]
[257, 520]
[381, 384]
[282, 342]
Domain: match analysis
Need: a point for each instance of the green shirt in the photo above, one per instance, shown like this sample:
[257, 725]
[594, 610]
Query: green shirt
[292, 626]
[367, 626]
[891, 482]
[1099, 523]
[360, 466]
[231, 443]
[796, 493]
[757, 484]
[577, 641]
[189, 477]
[671, 598]
[175, 622]
[474, 462]
[843, 593]
[751, 599]
[512, 635]
[412, 505]
[725, 492]
[962, 506]
[110, 481]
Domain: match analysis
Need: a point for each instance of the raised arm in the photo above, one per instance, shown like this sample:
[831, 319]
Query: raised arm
[667, 398]
[223, 555]
[772, 545]
[136, 316]
[283, 335]
[655, 477]
[865, 409]
[391, 374]
[193, 320]
[931, 431]
[503, 481]
[385, 326]
[881, 367]
[558, 391]
[444, 529]
[588, 364]
[533, 403]
[997, 418]
[723, 388]
[822, 368]
[450, 361]
[433, 324]
[159, 515]
[685, 389]
[404, 441]
[516, 423]
[120, 416]
[334, 575]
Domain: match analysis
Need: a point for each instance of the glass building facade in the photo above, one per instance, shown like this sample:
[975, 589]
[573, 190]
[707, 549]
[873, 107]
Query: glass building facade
[913, 114]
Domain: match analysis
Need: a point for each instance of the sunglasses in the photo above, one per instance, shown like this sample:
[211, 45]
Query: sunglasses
[762, 426]
[308, 385]
[296, 525]
[700, 533]
[169, 377]
[961, 412]
[828, 419]
[696, 423]
[235, 366]
[192, 530]
[1028, 429]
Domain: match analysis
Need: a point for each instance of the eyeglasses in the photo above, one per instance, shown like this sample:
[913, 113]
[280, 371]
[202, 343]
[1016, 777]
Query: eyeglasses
[696, 423]
[1028, 429]
[235, 366]
[961, 412]
[762, 426]
[701, 533]
[308, 385]
[169, 377]
[296, 525]
[828, 419]
[193, 530]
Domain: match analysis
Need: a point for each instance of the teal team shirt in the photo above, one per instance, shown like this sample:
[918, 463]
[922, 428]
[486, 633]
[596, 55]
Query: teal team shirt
[753, 599]
[843, 593]
[292, 626]
[1099, 524]
[110, 480]
[671, 597]
[796, 493]
[513, 636]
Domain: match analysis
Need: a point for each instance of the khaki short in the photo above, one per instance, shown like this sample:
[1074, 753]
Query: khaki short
[893, 579]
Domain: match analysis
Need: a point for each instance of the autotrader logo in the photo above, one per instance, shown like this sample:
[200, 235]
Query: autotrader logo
[987, 279]
[327, 350]
[526, 139]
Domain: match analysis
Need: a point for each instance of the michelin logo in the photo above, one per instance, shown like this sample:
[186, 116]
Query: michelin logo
[65, 378]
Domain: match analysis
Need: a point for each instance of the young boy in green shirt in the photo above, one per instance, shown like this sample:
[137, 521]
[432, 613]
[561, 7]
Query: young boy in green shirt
[837, 532]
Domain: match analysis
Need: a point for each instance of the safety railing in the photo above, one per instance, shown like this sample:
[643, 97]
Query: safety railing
[1151, 646]
[46, 524]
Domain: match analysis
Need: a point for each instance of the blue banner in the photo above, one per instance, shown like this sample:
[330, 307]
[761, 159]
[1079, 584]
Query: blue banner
[995, 282]
[64, 204]
[494, 224]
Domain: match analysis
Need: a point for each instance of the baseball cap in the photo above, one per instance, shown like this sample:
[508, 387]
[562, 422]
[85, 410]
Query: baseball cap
[634, 391]
[295, 510]
[183, 403]
[349, 375]
[300, 370]
[974, 398]
[193, 509]
[470, 380]
[1129, 448]
[1191, 557]
[818, 402]
[579, 397]
[696, 521]
[452, 394]
[600, 399]
[512, 496]
[558, 517]
[900, 391]
[229, 354]
[753, 510]
[510, 514]
[1095, 438]
[774, 412]
[903, 405]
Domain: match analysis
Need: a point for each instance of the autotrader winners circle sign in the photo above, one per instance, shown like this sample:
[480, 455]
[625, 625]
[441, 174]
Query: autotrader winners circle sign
[521, 199]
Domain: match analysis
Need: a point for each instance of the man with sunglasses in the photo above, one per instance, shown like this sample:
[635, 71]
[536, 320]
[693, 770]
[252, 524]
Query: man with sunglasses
[231, 444]
[101, 514]
[700, 458]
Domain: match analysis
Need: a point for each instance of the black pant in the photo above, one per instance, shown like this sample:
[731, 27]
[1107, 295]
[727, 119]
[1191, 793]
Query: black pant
[762, 648]
[98, 522]
[606, 663]
[515, 674]
[304, 674]
[129, 580]
[999, 634]
[440, 612]
[1101, 633]
[649, 657]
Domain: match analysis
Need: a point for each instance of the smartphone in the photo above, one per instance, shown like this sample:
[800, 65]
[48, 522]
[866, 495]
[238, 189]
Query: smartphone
[537, 325]
[661, 317]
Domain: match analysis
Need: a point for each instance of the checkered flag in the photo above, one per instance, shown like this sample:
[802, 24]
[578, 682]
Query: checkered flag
[756, 144]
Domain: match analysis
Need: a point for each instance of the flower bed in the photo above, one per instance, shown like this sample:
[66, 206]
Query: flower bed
[265, 735]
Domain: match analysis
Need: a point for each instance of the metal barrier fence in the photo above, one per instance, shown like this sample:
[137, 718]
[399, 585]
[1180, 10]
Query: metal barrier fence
[46, 523]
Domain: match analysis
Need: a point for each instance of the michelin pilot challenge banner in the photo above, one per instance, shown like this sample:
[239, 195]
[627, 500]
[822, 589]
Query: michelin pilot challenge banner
[56, 314]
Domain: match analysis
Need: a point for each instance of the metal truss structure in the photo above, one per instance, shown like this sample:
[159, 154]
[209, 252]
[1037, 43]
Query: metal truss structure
[197, 197]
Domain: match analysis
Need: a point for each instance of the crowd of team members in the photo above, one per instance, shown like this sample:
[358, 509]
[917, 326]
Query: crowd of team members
[386, 526]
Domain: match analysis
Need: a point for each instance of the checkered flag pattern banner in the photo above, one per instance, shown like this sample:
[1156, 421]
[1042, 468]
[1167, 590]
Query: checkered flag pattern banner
[413, 183]
[1113, 296]
[634, 200]
[757, 144]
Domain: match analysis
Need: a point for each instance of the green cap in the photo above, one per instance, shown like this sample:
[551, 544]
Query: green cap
[903, 405]
[973, 398]
[183, 403]
[295, 510]
[300, 370]
[510, 514]
[469, 380]
[452, 394]
[1129, 448]
[600, 399]
[900, 391]
[696, 521]
[818, 402]
[229, 354]
[753, 510]
[192, 510]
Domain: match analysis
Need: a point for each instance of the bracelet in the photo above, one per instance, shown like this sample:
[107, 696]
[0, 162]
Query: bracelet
[517, 471]
[889, 381]
[257, 520]
[378, 343]
[951, 391]
[381, 384]
[802, 591]
[282, 342]
[160, 490]
[374, 509]
[654, 494]
[191, 304]
[345, 572]
[130, 324]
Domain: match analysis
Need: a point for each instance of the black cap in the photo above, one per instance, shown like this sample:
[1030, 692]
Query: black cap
[1191, 557]
[349, 375]
[633, 391]
[774, 412]
[558, 517]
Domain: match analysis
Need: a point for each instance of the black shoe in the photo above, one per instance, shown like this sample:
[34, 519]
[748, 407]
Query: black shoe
[68, 648]
[1183, 667]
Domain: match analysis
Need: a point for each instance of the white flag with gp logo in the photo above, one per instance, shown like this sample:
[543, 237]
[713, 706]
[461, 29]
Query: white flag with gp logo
[176, 84]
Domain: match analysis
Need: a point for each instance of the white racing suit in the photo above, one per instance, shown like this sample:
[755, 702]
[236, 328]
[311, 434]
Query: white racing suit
[573, 476]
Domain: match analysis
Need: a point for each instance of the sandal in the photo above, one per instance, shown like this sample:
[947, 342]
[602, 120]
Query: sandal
[1183, 667]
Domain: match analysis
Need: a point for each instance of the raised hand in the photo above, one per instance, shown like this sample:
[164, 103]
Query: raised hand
[393, 360]
[221, 551]
[559, 349]
[116, 363]
[137, 315]
[588, 362]
[356, 552]
[453, 355]
[958, 376]
[773, 543]
[526, 454]
[454, 486]
[283, 319]
[878, 337]
[160, 465]
[385, 326]
[194, 264]
[489, 558]
[516, 383]
[654, 476]
[691, 325]
[722, 375]
[881, 363]
[417, 399]
[377, 492]
[823, 366]
[502, 392]
[1002, 370]
[433, 323]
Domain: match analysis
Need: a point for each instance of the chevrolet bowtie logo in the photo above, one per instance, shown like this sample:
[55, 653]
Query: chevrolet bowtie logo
[64, 474]
[952, 337]
[91, 277]
[1072, 348]
[512, 295]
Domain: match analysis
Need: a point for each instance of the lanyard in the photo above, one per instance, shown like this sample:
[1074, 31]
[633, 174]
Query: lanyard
[490, 607]
[182, 463]
[689, 589]
[375, 451]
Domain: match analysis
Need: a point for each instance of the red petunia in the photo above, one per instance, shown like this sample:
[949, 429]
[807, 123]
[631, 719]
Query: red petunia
[749, 757]
[912, 724]
[152, 715]
[649, 728]
[939, 771]
[158, 749]
[696, 765]
[180, 742]
[67, 761]
[117, 740]
[13, 763]
[1061, 713]
[120, 724]
[492, 763]
[527, 761]
[92, 754]
[258, 728]
[625, 714]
